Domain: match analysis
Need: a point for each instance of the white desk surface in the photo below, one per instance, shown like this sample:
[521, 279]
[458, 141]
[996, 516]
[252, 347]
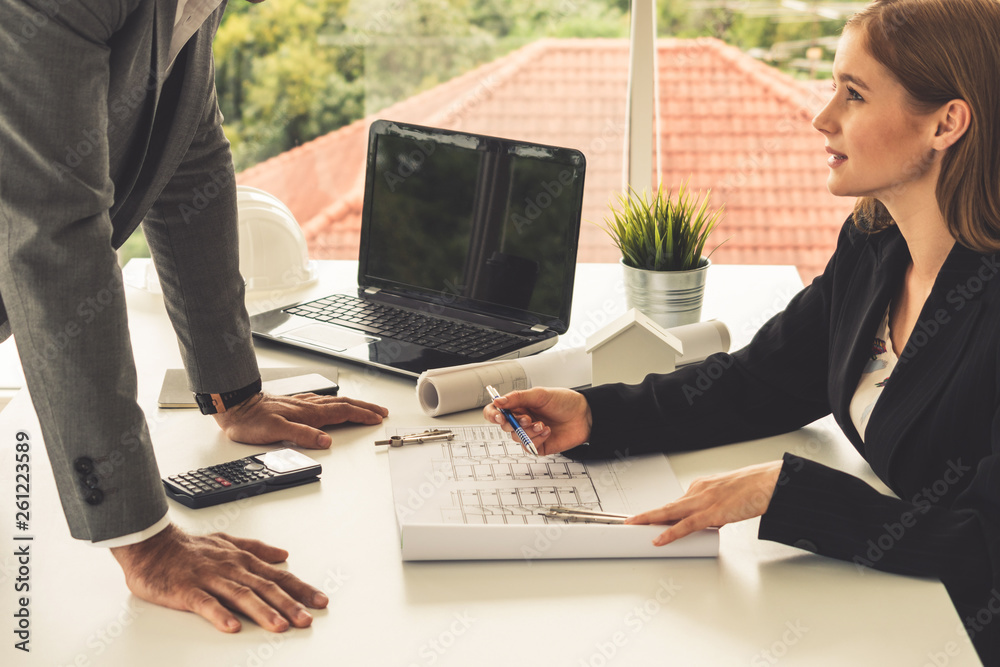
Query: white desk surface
[759, 603]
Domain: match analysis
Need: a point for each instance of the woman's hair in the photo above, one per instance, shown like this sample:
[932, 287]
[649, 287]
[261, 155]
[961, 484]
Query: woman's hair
[941, 50]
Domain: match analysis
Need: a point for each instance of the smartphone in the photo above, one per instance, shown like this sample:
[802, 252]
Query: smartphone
[242, 478]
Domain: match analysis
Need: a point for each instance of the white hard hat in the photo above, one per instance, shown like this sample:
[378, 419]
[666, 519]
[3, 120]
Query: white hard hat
[273, 252]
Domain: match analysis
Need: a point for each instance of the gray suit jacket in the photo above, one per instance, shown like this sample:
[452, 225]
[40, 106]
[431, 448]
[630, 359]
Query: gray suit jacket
[93, 141]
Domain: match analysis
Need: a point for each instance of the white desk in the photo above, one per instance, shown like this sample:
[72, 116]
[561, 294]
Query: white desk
[759, 603]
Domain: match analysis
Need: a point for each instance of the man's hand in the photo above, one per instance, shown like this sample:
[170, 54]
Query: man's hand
[563, 417]
[263, 419]
[214, 575]
[715, 501]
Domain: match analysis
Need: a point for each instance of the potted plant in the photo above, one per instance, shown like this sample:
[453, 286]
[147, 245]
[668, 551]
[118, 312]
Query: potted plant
[662, 242]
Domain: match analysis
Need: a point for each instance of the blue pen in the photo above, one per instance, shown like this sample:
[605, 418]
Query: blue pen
[520, 432]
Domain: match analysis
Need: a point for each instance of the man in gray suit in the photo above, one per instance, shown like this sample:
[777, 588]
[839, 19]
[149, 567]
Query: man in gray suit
[108, 118]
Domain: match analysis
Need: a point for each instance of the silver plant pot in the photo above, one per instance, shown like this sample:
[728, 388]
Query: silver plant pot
[669, 298]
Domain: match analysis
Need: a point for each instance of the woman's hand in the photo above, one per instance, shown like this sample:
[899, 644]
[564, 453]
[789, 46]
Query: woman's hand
[715, 501]
[263, 418]
[554, 419]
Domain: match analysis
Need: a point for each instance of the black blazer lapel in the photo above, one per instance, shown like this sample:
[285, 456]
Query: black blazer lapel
[931, 355]
[852, 342]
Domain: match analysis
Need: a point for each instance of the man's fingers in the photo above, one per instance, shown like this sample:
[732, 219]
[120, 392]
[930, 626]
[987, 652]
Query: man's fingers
[297, 591]
[303, 436]
[215, 575]
[347, 412]
[334, 411]
[297, 419]
[265, 552]
[330, 401]
[209, 608]
[244, 599]
[372, 407]
[281, 593]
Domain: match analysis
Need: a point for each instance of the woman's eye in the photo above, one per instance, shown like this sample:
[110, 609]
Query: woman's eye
[853, 95]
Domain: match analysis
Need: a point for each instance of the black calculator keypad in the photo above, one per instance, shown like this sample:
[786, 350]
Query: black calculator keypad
[234, 474]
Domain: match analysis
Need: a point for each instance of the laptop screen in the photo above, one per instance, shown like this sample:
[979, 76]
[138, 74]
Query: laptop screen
[472, 222]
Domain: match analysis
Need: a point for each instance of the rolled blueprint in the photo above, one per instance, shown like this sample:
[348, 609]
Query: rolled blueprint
[442, 391]
[701, 340]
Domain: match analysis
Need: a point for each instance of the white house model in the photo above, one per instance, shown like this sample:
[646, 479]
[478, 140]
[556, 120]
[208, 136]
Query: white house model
[630, 348]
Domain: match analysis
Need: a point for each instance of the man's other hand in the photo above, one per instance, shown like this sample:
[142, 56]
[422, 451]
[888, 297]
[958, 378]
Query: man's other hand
[215, 575]
[264, 419]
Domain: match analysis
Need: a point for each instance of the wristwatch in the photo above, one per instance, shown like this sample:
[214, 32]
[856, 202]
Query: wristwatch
[212, 404]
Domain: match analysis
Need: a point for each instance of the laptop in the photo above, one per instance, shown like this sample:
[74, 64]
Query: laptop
[468, 254]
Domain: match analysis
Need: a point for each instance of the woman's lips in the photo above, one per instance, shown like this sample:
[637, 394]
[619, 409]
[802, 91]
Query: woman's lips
[836, 159]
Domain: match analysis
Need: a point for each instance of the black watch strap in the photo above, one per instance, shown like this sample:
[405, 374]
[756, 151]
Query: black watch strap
[211, 404]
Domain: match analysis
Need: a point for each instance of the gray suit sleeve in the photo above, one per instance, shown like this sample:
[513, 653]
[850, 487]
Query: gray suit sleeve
[59, 276]
[192, 235]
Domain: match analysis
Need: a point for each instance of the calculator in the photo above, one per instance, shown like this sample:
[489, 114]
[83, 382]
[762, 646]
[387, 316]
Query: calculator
[242, 478]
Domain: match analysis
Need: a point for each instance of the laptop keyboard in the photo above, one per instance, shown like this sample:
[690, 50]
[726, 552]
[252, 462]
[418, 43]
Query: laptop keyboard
[407, 325]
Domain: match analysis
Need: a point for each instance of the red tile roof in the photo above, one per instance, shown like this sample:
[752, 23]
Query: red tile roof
[728, 123]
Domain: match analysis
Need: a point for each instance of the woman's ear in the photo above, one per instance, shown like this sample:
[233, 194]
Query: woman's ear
[953, 122]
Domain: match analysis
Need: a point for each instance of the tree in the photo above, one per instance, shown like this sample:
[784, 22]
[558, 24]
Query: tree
[278, 84]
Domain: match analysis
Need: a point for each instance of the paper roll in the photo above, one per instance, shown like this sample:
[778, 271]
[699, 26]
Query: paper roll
[701, 340]
[442, 391]
[445, 390]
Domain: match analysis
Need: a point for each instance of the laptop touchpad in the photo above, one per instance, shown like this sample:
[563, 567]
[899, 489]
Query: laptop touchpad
[328, 337]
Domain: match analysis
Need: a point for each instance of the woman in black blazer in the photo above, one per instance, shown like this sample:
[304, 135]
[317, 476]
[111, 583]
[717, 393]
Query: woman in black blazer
[898, 338]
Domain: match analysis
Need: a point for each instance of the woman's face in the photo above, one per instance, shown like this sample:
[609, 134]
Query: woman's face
[877, 147]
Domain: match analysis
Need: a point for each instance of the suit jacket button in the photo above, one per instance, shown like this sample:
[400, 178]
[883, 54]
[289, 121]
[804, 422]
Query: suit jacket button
[95, 497]
[91, 481]
[83, 465]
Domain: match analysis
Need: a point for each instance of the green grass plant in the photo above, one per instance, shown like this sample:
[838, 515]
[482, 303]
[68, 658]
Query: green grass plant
[663, 234]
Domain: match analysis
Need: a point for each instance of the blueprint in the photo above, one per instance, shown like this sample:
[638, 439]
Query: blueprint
[451, 496]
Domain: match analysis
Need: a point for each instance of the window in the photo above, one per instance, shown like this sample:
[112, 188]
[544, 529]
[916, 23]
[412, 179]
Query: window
[737, 86]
